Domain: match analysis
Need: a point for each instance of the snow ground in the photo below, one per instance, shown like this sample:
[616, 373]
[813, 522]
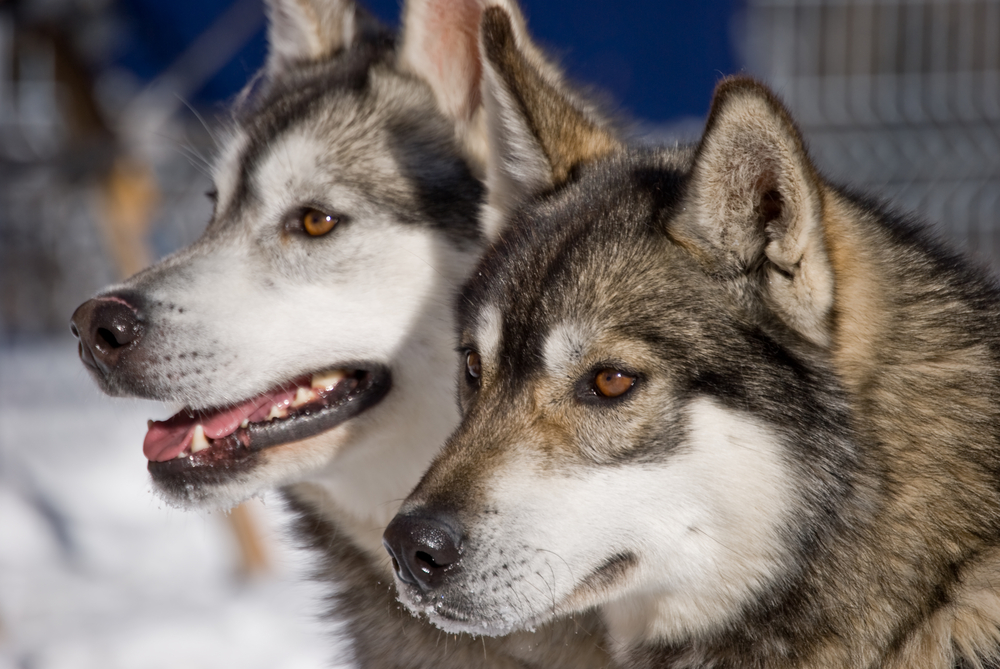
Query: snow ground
[132, 583]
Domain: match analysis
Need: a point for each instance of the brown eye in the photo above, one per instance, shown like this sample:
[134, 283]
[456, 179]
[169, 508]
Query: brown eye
[316, 223]
[613, 382]
[473, 365]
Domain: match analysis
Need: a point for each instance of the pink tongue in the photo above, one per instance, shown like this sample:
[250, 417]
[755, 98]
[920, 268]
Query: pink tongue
[167, 439]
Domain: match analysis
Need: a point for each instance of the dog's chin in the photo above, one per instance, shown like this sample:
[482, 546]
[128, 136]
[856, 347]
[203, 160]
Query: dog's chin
[262, 454]
[470, 615]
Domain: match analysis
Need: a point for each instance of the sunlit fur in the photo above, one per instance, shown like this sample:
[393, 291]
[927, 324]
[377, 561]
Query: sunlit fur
[344, 122]
[806, 472]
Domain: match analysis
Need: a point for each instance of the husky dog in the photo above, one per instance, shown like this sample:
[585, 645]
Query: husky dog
[752, 417]
[309, 332]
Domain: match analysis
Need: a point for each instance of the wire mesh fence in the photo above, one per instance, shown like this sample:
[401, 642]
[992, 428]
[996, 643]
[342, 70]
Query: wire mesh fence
[899, 97]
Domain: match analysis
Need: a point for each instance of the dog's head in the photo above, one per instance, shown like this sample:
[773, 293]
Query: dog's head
[649, 421]
[313, 317]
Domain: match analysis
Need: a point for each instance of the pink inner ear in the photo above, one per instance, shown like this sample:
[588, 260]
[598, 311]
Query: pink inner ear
[441, 45]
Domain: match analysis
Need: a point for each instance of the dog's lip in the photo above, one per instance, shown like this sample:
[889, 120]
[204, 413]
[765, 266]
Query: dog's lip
[454, 610]
[369, 385]
[459, 620]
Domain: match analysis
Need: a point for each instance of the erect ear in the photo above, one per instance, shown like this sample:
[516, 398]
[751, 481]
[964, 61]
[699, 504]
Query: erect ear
[756, 203]
[538, 130]
[441, 46]
[308, 30]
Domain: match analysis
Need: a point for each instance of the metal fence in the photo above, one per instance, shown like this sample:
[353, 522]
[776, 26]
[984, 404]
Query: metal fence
[900, 97]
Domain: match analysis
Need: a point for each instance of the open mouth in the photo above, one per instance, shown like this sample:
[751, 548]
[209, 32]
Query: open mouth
[222, 439]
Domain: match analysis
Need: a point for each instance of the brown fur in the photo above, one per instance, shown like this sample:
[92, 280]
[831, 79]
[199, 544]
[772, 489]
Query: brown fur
[872, 350]
[568, 136]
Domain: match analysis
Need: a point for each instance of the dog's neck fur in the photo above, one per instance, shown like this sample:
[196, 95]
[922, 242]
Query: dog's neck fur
[364, 602]
[923, 421]
[942, 440]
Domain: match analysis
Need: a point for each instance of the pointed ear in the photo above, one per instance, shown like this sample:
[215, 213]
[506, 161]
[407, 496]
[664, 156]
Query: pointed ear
[539, 131]
[441, 46]
[756, 202]
[308, 30]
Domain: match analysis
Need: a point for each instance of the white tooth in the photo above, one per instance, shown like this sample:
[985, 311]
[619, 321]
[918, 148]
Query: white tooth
[181, 455]
[198, 441]
[328, 379]
[245, 422]
[303, 396]
[277, 412]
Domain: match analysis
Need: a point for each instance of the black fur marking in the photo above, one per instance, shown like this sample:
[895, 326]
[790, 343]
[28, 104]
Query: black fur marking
[291, 101]
[448, 198]
[614, 569]
[445, 195]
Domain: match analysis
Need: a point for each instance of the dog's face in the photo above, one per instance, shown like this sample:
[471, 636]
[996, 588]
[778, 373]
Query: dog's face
[313, 284]
[640, 383]
[315, 311]
[621, 432]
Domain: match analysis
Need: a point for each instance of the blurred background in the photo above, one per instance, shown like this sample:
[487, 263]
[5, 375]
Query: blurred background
[107, 109]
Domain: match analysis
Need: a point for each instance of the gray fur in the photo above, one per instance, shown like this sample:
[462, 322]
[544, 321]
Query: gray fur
[850, 362]
[336, 124]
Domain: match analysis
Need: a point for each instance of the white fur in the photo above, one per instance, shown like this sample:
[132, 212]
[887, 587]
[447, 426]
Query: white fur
[303, 30]
[517, 165]
[377, 291]
[565, 347]
[489, 329]
[704, 522]
[732, 494]
[226, 169]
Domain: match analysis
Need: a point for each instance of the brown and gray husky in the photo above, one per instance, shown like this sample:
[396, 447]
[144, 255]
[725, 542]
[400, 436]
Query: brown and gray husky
[752, 417]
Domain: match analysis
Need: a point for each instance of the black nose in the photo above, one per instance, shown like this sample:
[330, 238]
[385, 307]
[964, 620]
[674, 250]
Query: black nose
[106, 327]
[423, 550]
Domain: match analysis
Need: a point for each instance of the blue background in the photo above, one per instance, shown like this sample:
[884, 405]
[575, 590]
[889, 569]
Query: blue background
[659, 60]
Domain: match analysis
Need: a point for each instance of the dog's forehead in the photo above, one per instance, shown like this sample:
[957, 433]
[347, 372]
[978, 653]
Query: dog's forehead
[552, 317]
[316, 138]
[375, 150]
[591, 260]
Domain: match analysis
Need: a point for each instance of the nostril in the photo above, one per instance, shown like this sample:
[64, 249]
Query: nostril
[114, 324]
[423, 550]
[108, 337]
[425, 563]
[107, 327]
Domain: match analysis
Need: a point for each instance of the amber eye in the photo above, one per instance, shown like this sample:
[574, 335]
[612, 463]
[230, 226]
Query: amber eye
[613, 382]
[317, 223]
[473, 365]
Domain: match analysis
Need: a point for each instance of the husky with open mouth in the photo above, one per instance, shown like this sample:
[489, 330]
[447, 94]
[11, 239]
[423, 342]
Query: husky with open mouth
[308, 333]
[752, 417]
